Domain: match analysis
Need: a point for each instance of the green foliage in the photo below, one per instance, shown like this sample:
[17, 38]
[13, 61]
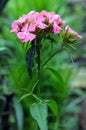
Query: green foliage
[39, 113]
[25, 7]
[19, 114]
[2, 49]
[53, 106]
[71, 108]
[52, 89]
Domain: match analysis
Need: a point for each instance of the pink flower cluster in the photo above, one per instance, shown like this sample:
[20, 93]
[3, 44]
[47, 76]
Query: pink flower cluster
[73, 32]
[26, 26]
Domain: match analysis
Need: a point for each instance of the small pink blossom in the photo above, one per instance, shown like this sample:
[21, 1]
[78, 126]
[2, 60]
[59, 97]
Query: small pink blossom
[51, 16]
[25, 37]
[24, 28]
[34, 16]
[15, 27]
[32, 27]
[44, 13]
[58, 19]
[41, 25]
[56, 28]
[41, 18]
[61, 22]
[23, 19]
[70, 31]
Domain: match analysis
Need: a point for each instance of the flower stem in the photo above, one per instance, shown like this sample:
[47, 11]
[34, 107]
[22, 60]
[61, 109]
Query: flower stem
[36, 83]
[38, 58]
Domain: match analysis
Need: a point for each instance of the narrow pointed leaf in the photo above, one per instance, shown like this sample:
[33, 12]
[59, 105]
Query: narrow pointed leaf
[18, 113]
[57, 75]
[53, 106]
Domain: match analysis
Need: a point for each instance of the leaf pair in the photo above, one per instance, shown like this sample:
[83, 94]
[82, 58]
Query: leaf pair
[39, 112]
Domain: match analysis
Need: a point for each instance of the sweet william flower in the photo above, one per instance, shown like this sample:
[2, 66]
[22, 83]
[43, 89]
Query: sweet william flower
[41, 25]
[29, 26]
[32, 27]
[56, 28]
[25, 37]
[24, 28]
[36, 26]
[45, 14]
[22, 19]
[15, 27]
[58, 20]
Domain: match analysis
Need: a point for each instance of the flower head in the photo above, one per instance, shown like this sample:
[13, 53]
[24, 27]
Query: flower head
[27, 26]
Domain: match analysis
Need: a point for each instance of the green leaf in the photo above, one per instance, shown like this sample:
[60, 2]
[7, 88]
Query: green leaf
[40, 113]
[19, 113]
[2, 48]
[60, 89]
[27, 45]
[53, 106]
[57, 75]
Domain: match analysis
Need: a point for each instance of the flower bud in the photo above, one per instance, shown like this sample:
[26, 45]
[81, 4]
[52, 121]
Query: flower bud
[70, 36]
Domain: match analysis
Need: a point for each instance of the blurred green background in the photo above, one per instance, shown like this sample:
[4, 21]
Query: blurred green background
[14, 80]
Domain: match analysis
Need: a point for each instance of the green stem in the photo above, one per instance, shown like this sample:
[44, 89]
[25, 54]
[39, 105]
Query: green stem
[36, 83]
[38, 57]
[57, 51]
[36, 97]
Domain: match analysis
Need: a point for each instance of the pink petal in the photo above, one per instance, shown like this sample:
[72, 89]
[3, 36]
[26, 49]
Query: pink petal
[41, 25]
[44, 13]
[32, 28]
[14, 26]
[56, 28]
[62, 22]
[24, 28]
[21, 35]
[29, 37]
[68, 29]
[25, 37]
[22, 19]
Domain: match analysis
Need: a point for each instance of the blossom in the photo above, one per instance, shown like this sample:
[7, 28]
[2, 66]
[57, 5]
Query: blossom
[30, 25]
[25, 37]
[24, 28]
[56, 28]
[41, 25]
[15, 27]
[73, 32]
[70, 36]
